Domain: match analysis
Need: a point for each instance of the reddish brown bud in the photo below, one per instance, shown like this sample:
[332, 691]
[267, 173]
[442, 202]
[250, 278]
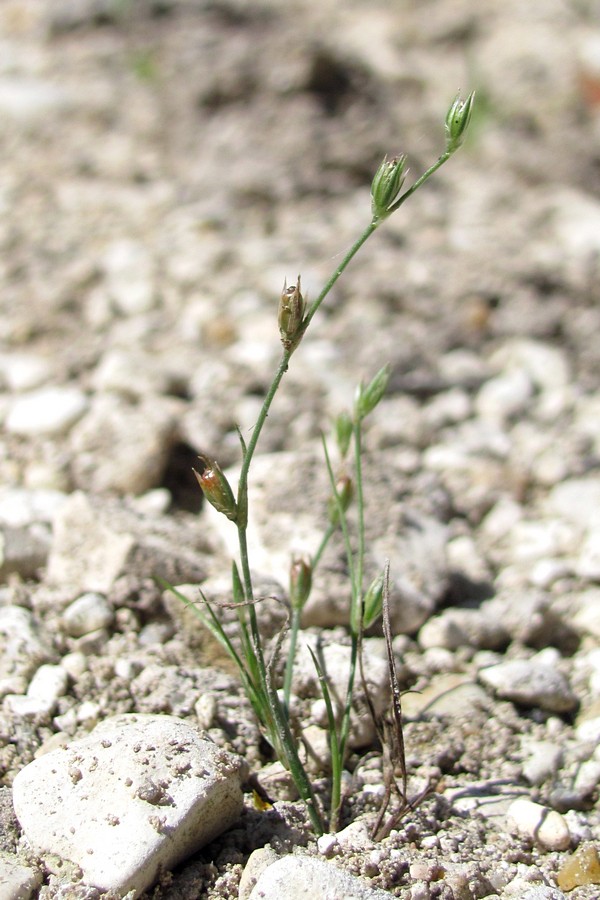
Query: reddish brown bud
[216, 488]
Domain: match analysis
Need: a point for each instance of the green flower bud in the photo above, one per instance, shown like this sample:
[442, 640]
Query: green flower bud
[343, 432]
[373, 602]
[291, 315]
[345, 492]
[368, 397]
[457, 121]
[386, 186]
[216, 488]
[300, 581]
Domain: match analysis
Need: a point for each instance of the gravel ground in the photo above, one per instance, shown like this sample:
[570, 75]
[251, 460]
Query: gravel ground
[165, 165]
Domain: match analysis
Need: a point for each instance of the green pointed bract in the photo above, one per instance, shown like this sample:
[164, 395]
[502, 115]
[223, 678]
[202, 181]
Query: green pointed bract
[368, 397]
[386, 186]
[457, 121]
[373, 602]
[343, 432]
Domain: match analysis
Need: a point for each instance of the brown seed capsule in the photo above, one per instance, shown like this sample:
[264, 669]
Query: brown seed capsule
[290, 316]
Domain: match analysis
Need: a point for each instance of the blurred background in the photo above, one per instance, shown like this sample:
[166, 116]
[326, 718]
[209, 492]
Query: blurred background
[165, 164]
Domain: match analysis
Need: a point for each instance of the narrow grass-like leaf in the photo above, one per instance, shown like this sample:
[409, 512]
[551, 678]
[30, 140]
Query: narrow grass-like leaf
[337, 763]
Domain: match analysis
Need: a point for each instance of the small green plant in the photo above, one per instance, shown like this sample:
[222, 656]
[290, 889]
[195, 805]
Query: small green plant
[271, 705]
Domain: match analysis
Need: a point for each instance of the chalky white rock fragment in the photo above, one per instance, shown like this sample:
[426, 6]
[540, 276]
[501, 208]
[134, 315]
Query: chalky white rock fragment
[136, 796]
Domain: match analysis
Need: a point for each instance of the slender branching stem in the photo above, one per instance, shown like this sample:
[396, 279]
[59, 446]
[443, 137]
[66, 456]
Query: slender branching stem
[337, 272]
[420, 181]
[330, 531]
[256, 673]
[289, 666]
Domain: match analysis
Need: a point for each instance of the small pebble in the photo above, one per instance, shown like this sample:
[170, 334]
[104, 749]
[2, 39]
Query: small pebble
[86, 614]
[48, 684]
[530, 683]
[505, 396]
[582, 867]
[47, 412]
[23, 371]
[541, 825]
[543, 760]
[587, 778]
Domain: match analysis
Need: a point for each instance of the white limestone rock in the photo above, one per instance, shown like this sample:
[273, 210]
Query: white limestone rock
[138, 795]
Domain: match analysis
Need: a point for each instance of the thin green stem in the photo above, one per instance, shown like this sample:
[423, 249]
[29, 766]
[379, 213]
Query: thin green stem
[343, 521]
[289, 666]
[336, 274]
[321, 548]
[415, 187]
[356, 613]
[360, 506]
[289, 755]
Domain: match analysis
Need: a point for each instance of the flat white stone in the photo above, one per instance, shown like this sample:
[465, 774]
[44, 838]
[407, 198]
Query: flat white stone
[17, 882]
[47, 412]
[531, 683]
[543, 760]
[138, 795]
[87, 613]
[23, 371]
[23, 649]
[504, 396]
[48, 684]
[32, 708]
[296, 877]
[20, 507]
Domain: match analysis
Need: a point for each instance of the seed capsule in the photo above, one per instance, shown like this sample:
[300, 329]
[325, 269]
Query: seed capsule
[300, 581]
[291, 314]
